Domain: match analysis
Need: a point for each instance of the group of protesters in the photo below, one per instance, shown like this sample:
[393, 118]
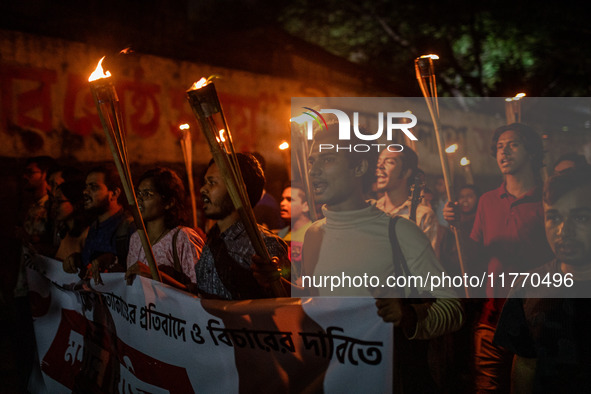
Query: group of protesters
[371, 225]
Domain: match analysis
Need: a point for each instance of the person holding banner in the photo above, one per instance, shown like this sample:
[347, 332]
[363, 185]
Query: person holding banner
[107, 242]
[356, 240]
[224, 269]
[161, 200]
[34, 237]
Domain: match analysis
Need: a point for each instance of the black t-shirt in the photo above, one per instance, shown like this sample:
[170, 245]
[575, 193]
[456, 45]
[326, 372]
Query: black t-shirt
[556, 331]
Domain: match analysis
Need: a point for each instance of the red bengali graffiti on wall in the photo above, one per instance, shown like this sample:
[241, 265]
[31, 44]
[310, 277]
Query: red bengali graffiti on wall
[41, 100]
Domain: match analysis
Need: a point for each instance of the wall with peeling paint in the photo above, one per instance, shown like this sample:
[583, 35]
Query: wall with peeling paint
[47, 108]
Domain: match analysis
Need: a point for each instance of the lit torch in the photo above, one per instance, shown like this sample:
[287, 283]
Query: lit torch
[285, 150]
[187, 149]
[107, 104]
[513, 108]
[465, 163]
[203, 98]
[426, 77]
[451, 150]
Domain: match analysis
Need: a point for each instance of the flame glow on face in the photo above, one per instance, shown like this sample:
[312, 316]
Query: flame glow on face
[199, 84]
[98, 72]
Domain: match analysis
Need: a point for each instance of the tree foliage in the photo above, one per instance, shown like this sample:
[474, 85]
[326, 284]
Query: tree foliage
[484, 50]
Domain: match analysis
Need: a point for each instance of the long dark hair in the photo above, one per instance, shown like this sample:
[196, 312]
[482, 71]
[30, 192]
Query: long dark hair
[73, 191]
[169, 185]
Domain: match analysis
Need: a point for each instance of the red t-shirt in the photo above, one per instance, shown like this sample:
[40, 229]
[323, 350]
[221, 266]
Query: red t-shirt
[511, 234]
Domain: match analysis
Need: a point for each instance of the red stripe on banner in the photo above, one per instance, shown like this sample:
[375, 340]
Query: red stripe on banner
[86, 357]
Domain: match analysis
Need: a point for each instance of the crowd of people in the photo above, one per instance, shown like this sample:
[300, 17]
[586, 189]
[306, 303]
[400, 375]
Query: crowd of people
[373, 223]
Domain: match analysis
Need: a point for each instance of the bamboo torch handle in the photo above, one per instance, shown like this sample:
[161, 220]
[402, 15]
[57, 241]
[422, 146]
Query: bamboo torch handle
[186, 147]
[205, 104]
[104, 93]
[424, 72]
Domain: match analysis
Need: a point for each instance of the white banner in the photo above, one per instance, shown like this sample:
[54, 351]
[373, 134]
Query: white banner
[149, 337]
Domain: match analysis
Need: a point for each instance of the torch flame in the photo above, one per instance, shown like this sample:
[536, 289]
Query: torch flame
[222, 131]
[98, 72]
[199, 84]
[464, 161]
[284, 145]
[518, 96]
[452, 148]
[432, 56]
[184, 126]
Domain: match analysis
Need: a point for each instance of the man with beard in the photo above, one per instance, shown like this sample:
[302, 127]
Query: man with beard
[395, 174]
[224, 268]
[107, 242]
[34, 237]
[547, 324]
[35, 227]
[35, 233]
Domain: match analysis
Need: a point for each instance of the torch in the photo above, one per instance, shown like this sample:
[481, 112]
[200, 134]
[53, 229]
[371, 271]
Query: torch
[187, 149]
[203, 98]
[513, 108]
[285, 150]
[450, 151]
[426, 77]
[107, 104]
[465, 163]
[300, 152]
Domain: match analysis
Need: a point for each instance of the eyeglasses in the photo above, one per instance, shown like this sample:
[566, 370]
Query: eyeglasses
[146, 194]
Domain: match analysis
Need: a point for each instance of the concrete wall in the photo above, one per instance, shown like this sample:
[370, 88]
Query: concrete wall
[46, 105]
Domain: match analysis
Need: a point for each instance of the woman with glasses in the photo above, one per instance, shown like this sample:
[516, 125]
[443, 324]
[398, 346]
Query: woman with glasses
[72, 223]
[162, 203]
